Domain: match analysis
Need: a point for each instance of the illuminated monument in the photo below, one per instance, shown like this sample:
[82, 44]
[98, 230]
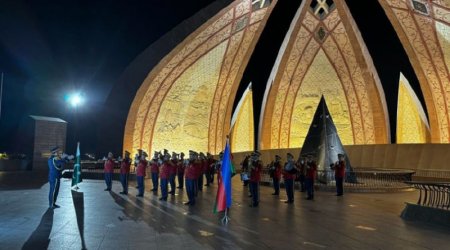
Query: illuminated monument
[242, 127]
[412, 123]
[424, 30]
[188, 96]
[185, 99]
[323, 54]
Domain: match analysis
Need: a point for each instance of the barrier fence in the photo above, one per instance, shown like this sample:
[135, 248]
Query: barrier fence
[433, 194]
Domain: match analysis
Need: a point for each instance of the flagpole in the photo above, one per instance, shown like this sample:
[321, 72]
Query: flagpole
[226, 218]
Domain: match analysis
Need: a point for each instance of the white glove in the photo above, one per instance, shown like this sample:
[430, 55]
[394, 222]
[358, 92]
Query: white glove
[70, 157]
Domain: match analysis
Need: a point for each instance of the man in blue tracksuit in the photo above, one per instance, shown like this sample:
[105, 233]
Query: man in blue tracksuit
[55, 167]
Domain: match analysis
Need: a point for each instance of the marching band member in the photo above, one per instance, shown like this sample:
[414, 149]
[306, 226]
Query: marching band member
[180, 171]
[311, 169]
[289, 176]
[55, 166]
[201, 170]
[137, 158]
[109, 171]
[244, 170]
[154, 169]
[124, 172]
[339, 173]
[275, 173]
[173, 172]
[301, 165]
[210, 169]
[191, 176]
[255, 167]
[140, 173]
[164, 176]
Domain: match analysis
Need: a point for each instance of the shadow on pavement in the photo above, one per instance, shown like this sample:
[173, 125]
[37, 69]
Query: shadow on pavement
[78, 202]
[39, 239]
[17, 180]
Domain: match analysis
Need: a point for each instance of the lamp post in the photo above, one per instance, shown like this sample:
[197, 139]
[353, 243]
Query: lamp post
[75, 100]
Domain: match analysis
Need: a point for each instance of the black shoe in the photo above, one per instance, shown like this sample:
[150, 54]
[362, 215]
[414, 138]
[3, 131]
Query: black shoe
[172, 193]
[310, 198]
[163, 199]
[275, 194]
[139, 195]
[107, 189]
[122, 193]
[55, 206]
[206, 185]
[137, 187]
[187, 203]
[339, 194]
[249, 195]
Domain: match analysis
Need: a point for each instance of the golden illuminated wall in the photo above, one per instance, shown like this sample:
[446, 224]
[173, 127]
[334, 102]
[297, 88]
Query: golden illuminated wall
[412, 123]
[242, 130]
[185, 102]
[424, 30]
[323, 54]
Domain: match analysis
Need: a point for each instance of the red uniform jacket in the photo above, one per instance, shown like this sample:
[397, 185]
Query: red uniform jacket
[125, 166]
[140, 171]
[154, 168]
[190, 171]
[255, 174]
[339, 169]
[198, 169]
[166, 169]
[173, 167]
[311, 171]
[180, 167]
[288, 176]
[277, 173]
[109, 166]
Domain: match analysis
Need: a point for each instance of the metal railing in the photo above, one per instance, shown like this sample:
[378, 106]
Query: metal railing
[360, 179]
[433, 194]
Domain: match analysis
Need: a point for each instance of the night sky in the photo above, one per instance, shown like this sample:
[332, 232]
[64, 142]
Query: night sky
[50, 48]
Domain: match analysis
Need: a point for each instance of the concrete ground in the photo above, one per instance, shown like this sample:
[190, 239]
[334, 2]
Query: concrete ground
[95, 219]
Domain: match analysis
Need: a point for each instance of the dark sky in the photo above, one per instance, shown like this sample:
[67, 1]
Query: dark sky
[50, 48]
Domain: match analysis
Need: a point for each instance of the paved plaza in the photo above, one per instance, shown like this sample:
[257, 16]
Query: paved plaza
[95, 219]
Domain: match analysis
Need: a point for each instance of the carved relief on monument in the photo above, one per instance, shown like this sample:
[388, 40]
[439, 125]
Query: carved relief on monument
[185, 102]
[424, 30]
[323, 54]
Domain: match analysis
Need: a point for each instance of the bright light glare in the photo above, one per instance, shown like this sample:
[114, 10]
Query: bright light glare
[75, 100]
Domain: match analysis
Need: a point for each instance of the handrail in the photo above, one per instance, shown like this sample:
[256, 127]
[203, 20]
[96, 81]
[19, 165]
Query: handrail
[432, 194]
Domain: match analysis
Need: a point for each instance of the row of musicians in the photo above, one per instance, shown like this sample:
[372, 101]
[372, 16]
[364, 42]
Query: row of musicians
[164, 168]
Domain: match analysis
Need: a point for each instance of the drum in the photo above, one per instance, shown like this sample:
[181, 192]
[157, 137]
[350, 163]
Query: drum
[245, 176]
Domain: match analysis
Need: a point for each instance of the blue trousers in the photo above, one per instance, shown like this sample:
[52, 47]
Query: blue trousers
[190, 189]
[108, 180]
[53, 192]
[200, 183]
[276, 185]
[180, 180]
[124, 181]
[155, 181]
[140, 183]
[254, 189]
[339, 185]
[289, 185]
[164, 187]
[172, 183]
[309, 187]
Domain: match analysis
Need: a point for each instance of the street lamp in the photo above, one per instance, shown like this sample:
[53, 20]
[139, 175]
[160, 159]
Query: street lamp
[75, 100]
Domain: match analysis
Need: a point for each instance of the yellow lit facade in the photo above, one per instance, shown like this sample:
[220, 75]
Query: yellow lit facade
[323, 54]
[242, 130]
[186, 100]
[412, 123]
[423, 27]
